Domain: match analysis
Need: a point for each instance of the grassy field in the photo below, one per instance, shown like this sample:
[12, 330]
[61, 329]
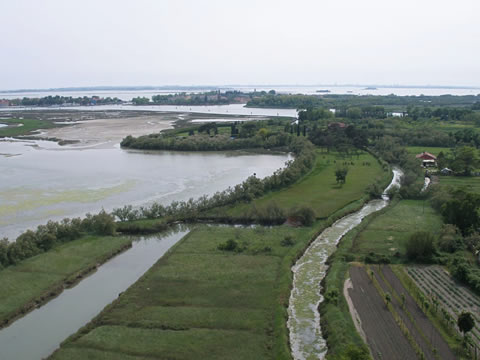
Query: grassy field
[470, 183]
[388, 232]
[27, 126]
[43, 276]
[319, 188]
[200, 302]
[431, 149]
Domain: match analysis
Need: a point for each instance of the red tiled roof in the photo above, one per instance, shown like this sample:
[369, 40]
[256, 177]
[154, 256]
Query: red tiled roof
[426, 155]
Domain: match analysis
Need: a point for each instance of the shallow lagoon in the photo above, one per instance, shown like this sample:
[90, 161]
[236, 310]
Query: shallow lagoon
[42, 181]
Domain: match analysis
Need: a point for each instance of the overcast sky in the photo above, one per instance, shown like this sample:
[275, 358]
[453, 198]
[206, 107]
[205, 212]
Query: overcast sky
[60, 43]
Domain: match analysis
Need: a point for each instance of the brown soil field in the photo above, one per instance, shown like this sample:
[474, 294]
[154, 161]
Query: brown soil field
[384, 337]
[419, 326]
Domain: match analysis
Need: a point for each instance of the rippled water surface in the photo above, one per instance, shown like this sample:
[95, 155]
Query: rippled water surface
[40, 180]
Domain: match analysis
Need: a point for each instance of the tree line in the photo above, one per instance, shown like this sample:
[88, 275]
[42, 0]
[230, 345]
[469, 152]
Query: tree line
[46, 237]
[65, 100]
[250, 189]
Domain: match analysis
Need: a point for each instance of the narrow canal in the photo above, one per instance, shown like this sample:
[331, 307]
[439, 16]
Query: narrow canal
[306, 339]
[40, 332]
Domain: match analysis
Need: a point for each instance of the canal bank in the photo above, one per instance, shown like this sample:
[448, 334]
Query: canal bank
[306, 338]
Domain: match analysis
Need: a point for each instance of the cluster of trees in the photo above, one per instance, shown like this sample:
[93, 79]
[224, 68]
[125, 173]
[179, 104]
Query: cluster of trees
[460, 210]
[361, 112]
[463, 160]
[250, 189]
[45, 237]
[242, 136]
[441, 113]
[206, 143]
[286, 101]
[205, 98]
[457, 207]
[65, 100]
[344, 102]
[339, 138]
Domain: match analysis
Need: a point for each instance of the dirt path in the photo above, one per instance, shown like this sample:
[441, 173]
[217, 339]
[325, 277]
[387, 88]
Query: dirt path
[353, 312]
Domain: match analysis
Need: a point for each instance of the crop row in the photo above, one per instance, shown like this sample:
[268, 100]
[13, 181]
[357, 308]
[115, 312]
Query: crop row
[453, 298]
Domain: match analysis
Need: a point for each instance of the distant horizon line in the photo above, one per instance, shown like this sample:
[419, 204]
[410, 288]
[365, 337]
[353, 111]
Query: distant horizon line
[229, 86]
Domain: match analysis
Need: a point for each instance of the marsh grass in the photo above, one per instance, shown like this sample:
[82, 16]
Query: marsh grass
[201, 302]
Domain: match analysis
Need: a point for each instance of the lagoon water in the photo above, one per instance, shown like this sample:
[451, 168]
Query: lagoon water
[232, 109]
[43, 181]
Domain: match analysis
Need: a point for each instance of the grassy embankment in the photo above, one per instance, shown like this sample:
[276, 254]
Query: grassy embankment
[319, 189]
[34, 281]
[202, 302]
[18, 127]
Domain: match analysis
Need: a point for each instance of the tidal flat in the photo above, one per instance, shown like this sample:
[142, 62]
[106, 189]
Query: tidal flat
[42, 180]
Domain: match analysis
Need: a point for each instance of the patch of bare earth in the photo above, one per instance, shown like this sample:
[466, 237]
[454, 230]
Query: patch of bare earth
[384, 337]
[419, 326]
[110, 131]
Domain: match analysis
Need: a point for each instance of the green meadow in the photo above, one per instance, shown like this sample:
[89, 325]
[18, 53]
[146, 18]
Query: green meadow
[319, 189]
[201, 302]
[470, 183]
[19, 127]
[387, 232]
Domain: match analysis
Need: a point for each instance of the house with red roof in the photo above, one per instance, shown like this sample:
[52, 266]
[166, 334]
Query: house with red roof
[427, 159]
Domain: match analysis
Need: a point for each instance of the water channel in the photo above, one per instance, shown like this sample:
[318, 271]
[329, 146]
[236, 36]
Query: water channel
[306, 339]
[40, 332]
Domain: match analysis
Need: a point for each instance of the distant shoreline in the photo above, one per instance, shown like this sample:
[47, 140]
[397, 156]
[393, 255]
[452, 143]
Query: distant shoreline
[228, 87]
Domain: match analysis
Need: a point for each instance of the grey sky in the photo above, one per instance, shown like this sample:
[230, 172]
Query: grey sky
[59, 43]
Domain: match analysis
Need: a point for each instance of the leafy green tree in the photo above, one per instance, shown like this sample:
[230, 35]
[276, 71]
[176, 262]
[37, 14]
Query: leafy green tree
[341, 174]
[466, 160]
[420, 245]
[465, 322]
[461, 210]
[450, 239]
[263, 133]
[305, 215]
[248, 129]
[355, 352]
[332, 296]
[4, 261]
[388, 298]
[140, 100]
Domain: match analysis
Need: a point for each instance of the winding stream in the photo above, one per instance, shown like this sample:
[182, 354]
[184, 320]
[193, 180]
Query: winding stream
[306, 339]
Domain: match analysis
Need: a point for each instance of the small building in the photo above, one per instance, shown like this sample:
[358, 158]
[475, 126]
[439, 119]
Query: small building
[427, 159]
[446, 171]
[4, 103]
